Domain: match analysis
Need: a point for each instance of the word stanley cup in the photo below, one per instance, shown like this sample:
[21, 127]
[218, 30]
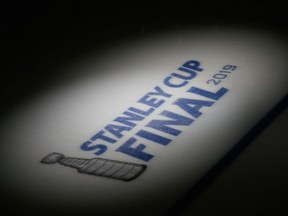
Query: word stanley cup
[98, 166]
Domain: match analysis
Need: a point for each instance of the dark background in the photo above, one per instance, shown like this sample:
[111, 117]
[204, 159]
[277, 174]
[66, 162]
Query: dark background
[38, 39]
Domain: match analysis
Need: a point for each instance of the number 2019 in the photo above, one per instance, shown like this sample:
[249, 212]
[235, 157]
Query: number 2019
[221, 75]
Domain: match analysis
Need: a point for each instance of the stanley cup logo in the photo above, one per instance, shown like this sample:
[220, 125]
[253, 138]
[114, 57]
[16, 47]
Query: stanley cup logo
[98, 166]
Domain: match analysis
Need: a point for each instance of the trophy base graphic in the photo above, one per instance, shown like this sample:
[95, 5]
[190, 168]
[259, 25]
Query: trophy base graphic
[98, 166]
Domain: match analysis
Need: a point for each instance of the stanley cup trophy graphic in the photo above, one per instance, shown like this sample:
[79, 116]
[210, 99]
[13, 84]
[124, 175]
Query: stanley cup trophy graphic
[98, 166]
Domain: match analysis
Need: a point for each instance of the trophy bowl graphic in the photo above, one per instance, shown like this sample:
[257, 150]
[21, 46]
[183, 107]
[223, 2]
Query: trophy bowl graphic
[98, 166]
